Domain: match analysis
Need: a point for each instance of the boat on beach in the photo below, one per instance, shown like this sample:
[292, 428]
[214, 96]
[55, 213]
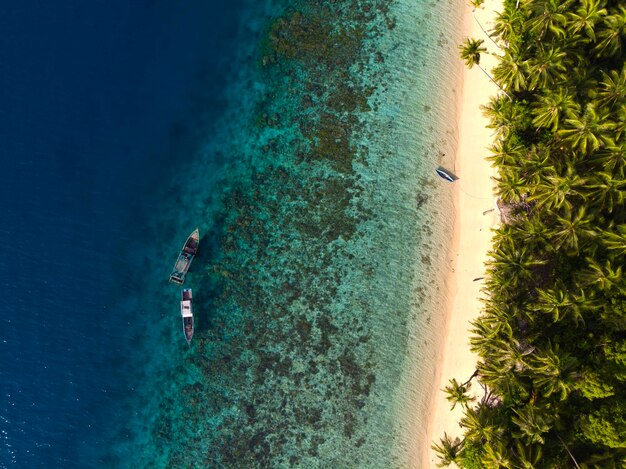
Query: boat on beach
[189, 250]
[186, 311]
[447, 175]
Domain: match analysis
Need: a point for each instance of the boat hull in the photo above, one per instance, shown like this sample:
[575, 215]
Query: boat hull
[445, 174]
[188, 327]
[186, 311]
[183, 262]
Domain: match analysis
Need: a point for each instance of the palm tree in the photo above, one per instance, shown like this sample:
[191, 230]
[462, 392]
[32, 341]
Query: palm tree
[583, 78]
[605, 191]
[587, 131]
[607, 278]
[492, 324]
[585, 303]
[548, 16]
[471, 50]
[547, 67]
[532, 423]
[559, 303]
[538, 164]
[612, 88]
[511, 354]
[498, 283]
[611, 33]
[615, 241]
[557, 191]
[496, 456]
[447, 450]
[534, 233]
[506, 152]
[526, 456]
[514, 261]
[502, 114]
[508, 384]
[619, 126]
[477, 424]
[457, 393]
[573, 228]
[511, 72]
[551, 107]
[586, 17]
[612, 157]
[511, 186]
[483, 335]
[554, 372]
[508, 25]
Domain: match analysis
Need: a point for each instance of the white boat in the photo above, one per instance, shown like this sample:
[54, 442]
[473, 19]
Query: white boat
[186, 311]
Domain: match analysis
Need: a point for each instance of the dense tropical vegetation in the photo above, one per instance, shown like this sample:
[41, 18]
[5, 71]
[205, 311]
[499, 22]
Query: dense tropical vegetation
[551, 339]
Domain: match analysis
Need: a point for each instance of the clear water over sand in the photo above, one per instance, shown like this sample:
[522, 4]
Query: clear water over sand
[318, 290]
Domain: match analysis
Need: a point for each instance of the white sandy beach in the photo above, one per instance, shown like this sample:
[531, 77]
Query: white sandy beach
[472, 230]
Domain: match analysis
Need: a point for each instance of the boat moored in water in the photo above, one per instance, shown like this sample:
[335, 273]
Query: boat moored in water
[186, 311]
[189, 250]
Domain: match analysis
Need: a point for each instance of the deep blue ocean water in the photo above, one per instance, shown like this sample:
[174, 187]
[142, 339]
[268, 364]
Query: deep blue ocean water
[301, 137]
[99, 101]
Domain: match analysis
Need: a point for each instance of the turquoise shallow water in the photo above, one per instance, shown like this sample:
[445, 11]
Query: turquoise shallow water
[318, 289]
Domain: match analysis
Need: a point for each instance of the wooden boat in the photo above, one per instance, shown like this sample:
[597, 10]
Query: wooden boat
[186, 312]
[190, 248]
[447, 175]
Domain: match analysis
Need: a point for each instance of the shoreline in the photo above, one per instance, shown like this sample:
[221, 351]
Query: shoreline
[475, 215]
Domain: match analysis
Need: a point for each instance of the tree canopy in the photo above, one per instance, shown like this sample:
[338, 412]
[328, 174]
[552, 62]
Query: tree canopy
[551, 338]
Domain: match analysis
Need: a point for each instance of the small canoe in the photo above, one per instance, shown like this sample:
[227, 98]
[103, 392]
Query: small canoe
[445, 174]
